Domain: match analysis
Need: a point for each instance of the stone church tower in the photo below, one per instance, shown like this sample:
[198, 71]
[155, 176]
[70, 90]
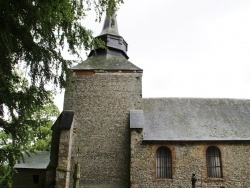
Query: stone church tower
[101, 92]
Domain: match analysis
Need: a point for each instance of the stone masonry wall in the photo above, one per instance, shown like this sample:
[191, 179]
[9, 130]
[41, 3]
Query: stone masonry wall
[102, 102]
[188, 158]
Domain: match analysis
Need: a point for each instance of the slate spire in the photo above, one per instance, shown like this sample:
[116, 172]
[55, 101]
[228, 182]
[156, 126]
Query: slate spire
[117, 46]
[110, 26]
[113, 59]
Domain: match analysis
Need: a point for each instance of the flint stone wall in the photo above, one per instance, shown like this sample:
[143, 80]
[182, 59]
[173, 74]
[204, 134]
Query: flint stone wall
[102, 102]
[188, 158]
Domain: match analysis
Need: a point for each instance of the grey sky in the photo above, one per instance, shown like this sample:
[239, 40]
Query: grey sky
[188, 48]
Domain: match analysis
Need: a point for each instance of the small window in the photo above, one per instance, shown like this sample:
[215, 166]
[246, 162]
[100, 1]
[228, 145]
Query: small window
[214, 167]
[36, 179]
[163, 163]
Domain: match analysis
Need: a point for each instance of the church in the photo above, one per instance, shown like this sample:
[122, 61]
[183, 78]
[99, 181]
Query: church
[108, 136]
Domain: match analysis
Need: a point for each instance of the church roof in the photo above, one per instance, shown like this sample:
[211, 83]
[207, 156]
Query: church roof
[187, 119]
[38, 160]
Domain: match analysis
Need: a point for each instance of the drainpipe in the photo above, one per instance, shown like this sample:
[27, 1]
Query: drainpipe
[193, 180]
[77, 175]
[77, 172]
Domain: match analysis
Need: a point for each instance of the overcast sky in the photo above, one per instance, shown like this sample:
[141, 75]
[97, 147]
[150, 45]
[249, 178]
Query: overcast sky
[187, 48]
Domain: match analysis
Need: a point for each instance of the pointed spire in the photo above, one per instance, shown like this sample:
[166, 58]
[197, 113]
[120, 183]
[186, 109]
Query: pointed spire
[113, 59]
[110, 26]
[117, 46]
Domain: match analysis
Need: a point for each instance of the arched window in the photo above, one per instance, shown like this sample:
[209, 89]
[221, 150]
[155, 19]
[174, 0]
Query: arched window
[214, 167]
[163, 163]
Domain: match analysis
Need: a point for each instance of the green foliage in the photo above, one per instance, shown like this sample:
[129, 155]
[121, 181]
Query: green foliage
[36, 31]
[32, 36]
[39, 134]
[33, 135]
[5, 176]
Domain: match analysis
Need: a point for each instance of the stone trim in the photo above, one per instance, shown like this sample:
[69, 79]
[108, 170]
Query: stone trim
[92, 72]
[63, 170]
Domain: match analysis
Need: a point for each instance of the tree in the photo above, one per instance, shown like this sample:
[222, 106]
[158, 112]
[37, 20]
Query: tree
[35, 31]
[34, 135]
[32, 36]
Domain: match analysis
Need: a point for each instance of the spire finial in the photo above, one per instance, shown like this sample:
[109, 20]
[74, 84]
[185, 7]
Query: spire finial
[110, 25]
